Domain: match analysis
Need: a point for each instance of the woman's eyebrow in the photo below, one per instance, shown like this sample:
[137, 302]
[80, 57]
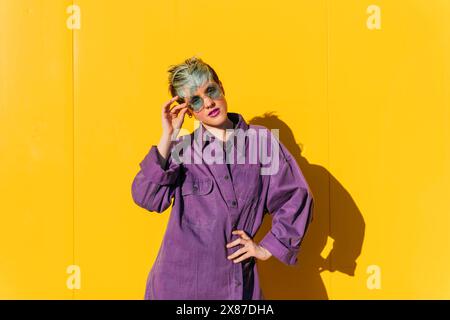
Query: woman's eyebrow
[211, 85]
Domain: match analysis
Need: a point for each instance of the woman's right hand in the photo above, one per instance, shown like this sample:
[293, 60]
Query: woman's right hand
[172, 119]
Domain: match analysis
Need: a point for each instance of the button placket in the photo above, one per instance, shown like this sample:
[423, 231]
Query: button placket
[232, 203]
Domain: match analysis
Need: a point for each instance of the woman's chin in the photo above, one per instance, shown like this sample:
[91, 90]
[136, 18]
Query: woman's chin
[218, 120]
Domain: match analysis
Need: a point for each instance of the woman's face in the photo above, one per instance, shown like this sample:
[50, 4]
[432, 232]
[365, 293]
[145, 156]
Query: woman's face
[213, 111]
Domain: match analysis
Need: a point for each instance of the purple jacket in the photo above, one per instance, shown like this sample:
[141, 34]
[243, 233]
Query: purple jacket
[209, 202]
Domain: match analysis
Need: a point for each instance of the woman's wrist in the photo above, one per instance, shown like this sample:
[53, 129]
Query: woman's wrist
[164, 147]
[166, 136]
[268, 254]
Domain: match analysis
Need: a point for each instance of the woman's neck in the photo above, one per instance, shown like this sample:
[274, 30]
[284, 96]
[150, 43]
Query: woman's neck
[221, 130]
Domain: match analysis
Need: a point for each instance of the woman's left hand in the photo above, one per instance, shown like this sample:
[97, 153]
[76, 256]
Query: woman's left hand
[249, 249]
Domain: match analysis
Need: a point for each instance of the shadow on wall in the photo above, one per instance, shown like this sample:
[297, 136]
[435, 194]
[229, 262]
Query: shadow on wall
[335, 215]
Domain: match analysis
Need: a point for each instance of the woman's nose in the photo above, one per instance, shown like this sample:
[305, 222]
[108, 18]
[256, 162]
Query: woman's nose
[208, 102]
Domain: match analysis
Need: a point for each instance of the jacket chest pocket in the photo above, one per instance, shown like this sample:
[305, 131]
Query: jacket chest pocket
[198, 202]
[197, 187]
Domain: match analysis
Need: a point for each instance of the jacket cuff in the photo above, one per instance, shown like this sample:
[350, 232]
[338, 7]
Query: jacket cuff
[152, 169]
[279, 250]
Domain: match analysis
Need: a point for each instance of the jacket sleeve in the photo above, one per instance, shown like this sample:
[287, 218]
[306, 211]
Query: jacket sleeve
[290, 201]
[154, 186]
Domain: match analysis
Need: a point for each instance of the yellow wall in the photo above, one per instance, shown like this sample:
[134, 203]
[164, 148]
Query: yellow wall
[364, 111]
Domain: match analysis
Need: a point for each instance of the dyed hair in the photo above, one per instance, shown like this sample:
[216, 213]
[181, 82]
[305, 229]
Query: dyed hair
[192, 73]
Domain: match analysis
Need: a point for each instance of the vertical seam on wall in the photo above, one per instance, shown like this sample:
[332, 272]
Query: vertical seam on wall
[328, 8]
[73, 152]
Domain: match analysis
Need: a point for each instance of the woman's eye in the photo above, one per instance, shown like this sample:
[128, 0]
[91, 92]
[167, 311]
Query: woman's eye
[213, 91]
[194, 100]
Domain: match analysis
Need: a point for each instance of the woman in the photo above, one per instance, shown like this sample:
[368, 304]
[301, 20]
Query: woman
[208, 250]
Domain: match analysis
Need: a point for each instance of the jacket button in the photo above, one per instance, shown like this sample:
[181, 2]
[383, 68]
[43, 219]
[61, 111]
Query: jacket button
[233, 202]
[227, 177]
[195, 188]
